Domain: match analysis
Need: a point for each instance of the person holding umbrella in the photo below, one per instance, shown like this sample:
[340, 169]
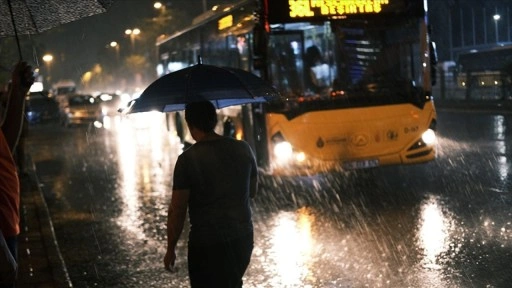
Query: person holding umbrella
[214, 180]
[11, 122]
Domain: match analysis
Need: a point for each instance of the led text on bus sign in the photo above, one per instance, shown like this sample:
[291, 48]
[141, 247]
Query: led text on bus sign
[225, 22]
[333, 8]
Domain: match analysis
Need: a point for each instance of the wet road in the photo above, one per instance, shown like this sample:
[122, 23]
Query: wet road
[447, 223]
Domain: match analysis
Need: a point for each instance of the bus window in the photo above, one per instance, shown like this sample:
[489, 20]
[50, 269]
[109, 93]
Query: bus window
[286, 63]
[378, 65]
[243, 48]
[317, 71]
[238, 52]
[302, 60]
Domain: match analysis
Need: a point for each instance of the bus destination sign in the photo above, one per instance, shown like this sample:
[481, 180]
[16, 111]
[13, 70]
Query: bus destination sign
[313, 10]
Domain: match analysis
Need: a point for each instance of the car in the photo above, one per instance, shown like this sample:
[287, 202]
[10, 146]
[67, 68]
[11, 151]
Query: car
[40, 108]
[110, 104]
[80, 109]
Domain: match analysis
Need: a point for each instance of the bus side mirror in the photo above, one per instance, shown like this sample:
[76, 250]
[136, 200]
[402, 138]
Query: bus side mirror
[433, 63]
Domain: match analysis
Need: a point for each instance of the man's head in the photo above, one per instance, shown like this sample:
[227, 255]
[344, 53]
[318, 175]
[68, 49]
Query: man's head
[201, 115]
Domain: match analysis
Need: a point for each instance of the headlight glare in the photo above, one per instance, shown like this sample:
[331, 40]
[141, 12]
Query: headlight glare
[429, 137]
[300, 157]
[283, 150]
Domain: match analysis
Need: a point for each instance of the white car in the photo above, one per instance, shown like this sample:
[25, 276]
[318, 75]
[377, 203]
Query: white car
[81, 109]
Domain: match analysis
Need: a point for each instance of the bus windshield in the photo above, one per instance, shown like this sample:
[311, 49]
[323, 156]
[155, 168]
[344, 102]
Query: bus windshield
[344, 64]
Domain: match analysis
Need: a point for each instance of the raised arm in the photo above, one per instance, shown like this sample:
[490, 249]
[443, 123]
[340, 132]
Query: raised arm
[21, 80]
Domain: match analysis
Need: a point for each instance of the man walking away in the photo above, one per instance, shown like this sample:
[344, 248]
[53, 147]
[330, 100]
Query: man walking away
[214, 180]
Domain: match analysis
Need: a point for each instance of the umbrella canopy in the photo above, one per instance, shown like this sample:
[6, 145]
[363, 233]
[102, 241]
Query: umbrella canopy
[222, 86]
[36, 16]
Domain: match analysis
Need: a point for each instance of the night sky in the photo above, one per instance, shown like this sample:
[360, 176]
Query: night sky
[77, 44]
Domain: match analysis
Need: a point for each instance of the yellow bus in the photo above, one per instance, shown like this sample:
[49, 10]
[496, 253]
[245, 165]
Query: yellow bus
[356, 77]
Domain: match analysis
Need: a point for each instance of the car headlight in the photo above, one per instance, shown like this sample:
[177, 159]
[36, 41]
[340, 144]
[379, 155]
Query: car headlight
[429, 137]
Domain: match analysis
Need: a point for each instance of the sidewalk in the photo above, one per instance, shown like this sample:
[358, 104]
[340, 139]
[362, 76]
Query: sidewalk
[40, 262]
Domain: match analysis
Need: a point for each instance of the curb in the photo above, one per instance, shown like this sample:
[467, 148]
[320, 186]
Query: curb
[56, 262]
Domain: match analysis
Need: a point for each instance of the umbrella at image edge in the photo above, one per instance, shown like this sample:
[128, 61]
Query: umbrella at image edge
[222, 86]
[22, 17]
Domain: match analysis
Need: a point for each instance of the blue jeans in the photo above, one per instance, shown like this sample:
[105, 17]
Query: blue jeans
[220, 264]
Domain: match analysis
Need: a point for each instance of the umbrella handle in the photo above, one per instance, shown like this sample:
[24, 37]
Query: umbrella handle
[15, 30]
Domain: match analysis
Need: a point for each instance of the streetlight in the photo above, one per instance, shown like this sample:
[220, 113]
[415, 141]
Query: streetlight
[48, 58]
[496, 17]
[115, 45]
[163, 15]
[132, 33]
[159, 5]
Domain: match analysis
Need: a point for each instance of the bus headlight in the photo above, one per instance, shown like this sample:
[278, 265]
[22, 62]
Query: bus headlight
[283, 150]
[300, 157]
[284, 153]
[429, 137]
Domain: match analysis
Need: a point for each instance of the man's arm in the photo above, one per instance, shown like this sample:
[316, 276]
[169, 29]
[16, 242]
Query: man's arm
[175, 222]
[253, 186]
[22, 79]
[253, 181]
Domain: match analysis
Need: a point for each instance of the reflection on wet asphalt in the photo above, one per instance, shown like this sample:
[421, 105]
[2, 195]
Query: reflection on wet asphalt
[442, 224]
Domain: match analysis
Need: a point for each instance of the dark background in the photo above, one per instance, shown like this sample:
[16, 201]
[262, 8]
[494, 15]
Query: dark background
[457, 26]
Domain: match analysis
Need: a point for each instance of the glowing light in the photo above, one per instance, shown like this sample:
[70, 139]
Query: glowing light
[429, 137]
[160, 70]
[300, 157]
[36, 87]
[225, 22]
[433, 233]
[292, 247]
[48, 58]
[98, 124]
[283, 150]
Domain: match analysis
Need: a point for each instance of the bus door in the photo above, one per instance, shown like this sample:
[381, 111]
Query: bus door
[285, 62]
[284, 66]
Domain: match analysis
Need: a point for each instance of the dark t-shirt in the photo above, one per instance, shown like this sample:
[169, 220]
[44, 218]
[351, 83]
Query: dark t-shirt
[217, 173]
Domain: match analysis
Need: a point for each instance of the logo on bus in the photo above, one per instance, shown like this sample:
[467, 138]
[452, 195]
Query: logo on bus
[320, 143]
[360, 140]
[392, 135]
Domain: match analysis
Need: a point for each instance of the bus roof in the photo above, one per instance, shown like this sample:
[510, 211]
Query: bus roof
[207, 17]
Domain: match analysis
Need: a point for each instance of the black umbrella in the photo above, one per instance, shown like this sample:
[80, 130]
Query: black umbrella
[223, 86]
[21, 17]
